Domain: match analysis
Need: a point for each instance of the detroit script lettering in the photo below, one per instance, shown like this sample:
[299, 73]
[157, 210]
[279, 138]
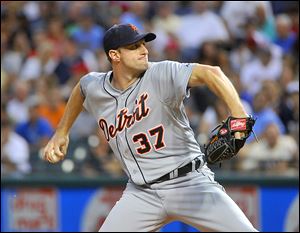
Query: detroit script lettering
[124, 119]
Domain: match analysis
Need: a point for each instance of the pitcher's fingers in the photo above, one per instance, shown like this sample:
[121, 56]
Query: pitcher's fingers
[47, 155]
[58, 152]
[49, 147]
[64, 149]
[53, 158]
[239, 135]
[47, 152]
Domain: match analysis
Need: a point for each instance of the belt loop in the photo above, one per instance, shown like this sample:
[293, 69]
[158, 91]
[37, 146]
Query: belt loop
[173, 174]
[193, 165]
[201, 161]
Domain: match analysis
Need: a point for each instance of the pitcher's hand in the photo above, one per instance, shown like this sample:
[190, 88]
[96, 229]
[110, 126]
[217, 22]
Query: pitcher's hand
[239, 135]
[56, 148]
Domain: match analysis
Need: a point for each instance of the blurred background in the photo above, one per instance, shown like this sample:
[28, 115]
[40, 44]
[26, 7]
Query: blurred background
[46, 47]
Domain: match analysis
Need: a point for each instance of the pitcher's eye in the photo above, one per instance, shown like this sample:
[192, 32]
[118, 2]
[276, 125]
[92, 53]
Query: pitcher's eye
[133, 47]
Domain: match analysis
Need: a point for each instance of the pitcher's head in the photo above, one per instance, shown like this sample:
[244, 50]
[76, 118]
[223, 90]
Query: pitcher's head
[124, 43]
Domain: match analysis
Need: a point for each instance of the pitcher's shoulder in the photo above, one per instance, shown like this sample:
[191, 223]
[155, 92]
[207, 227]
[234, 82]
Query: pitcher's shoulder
[97, 75]
[162, 64]
[93, 77]
[159, 63]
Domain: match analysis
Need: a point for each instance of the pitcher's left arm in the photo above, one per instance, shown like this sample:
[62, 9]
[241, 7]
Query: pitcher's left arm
[219, 84]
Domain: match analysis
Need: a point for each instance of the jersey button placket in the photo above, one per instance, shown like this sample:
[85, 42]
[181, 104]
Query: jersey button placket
[121, 135]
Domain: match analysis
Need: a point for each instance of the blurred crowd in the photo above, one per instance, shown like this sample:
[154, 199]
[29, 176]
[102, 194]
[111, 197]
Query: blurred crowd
[46, 47]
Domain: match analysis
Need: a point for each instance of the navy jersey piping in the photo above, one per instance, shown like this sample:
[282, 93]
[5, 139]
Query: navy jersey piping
[115, 126]
[126, 133]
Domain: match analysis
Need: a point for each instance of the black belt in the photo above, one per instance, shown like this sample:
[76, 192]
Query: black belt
[192, 166]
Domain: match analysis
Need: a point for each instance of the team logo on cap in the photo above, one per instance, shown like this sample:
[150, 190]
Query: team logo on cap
[134, 28]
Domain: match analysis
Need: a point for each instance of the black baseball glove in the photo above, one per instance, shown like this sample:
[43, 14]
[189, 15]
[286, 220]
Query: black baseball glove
[223, 145]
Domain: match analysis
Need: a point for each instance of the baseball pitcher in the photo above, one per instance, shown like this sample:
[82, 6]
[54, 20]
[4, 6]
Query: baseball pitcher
[139, 107]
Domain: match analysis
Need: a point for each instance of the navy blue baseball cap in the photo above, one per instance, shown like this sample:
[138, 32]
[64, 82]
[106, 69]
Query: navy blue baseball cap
[124, 34]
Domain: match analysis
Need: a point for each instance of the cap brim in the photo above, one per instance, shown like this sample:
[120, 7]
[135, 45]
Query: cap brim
[147, 37]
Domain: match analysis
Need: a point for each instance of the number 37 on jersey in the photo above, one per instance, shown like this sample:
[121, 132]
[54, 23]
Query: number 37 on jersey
[125, 120]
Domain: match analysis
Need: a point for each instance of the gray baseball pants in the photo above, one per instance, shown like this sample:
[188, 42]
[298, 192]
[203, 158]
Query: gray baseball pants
[196, 199]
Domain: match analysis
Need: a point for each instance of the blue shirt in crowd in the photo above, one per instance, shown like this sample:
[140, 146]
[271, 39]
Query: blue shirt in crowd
[264, 118]
[34, 132]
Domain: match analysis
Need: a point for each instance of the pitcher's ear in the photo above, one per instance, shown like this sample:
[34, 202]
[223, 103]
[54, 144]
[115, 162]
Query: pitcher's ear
[114, 55]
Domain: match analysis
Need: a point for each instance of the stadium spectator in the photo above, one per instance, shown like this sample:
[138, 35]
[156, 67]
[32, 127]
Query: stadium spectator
[267, 66]
[136, 14]
[205, 19]
[14, 151]
[88, 35]
[275, 153]
[36, 130]
[285, 38]
[54, 107]
[265, 115]
[242, 13]
[16, 107]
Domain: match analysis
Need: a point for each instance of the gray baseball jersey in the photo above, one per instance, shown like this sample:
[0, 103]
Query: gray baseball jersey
[146, 124]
